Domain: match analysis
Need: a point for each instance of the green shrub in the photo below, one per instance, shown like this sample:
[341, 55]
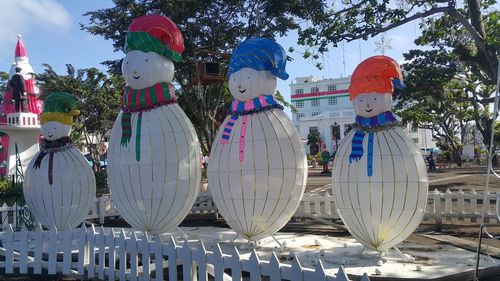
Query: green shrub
[101, 182]
[309, 158]
[204, 176]
[9, 193]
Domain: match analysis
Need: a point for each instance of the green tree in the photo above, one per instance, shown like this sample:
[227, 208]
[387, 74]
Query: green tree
[217, 26]
[313, 140]
[496, 137]
[435, 99]
[4, 79]
[469, 28]
[99, 97]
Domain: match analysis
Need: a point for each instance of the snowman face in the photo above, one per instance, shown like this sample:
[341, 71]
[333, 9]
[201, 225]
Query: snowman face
[248, 83]
[142, 70]
[54, 130]
[372, 104]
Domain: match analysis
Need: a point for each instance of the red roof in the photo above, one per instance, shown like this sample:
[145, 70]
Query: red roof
[20, 49]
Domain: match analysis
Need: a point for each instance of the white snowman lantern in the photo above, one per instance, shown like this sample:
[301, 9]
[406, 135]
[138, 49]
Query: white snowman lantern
[258, 169]
[59, 185]
[153, 156]
[379, 179]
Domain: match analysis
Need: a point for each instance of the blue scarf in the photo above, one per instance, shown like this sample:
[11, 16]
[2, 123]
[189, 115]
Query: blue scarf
[370, 125]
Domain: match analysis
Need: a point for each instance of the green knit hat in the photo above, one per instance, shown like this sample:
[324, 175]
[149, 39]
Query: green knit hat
[60, 107]
[155, 33]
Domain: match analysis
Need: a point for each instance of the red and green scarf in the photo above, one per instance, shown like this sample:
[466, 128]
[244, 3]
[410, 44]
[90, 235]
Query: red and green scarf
[138, 101]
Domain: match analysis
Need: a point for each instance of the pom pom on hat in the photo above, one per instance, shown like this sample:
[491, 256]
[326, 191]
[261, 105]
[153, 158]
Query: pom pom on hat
[155, 33]
[377, 74]
[59, 107]
[261, 54]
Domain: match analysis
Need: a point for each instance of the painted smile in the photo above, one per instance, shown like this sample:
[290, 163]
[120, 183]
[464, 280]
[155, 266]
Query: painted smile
[137, 77]
[242, 91]
[369, 110]
[49, 136]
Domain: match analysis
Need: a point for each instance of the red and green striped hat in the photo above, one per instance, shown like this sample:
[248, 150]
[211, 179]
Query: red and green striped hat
[155, 33]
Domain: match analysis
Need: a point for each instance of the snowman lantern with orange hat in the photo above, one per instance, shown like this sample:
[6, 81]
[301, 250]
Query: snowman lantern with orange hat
[153, 156]
[59, 185]
[379, 180]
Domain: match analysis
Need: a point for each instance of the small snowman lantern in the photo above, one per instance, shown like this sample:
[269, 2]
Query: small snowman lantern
[59, 186]
[258, 169]
[379, 178]
[153, 156]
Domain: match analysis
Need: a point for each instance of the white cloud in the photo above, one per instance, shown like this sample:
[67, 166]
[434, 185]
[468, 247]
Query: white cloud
[21, 16]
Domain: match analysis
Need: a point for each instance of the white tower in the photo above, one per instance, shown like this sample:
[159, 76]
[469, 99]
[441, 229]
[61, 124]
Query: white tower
[22, 128]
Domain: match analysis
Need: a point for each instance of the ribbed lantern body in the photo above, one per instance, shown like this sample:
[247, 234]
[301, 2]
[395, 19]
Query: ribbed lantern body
[257, 196]
[157, 192]
[382, 210]
[68, 200]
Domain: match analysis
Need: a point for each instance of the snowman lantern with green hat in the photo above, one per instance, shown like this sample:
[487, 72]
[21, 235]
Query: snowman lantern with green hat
[59, 185]
[153, 156]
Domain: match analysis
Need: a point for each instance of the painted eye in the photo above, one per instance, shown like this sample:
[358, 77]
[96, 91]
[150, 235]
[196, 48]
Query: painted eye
[248, 77]
[127, 62]
[375, 99]
[361, 100]
[147, 60]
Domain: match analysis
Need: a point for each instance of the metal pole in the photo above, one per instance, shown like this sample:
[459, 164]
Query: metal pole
[490, 167]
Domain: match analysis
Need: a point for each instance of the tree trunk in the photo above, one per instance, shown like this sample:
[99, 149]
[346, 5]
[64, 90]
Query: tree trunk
[457, 158]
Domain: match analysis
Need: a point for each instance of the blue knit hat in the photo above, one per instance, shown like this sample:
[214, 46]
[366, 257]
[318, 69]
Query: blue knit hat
[260, 54]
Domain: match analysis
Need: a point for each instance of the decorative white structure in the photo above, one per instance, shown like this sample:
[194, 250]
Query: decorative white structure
[379, 180]
[59, 185]
[19, 128]
[258, 170]
[154, 155]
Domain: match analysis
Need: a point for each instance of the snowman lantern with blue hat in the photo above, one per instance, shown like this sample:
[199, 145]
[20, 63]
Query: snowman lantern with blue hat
[258, 169]
[379, 179]
[153, 157]
[59, 185]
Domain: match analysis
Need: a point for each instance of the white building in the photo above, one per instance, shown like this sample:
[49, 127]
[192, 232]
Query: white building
[324, 106]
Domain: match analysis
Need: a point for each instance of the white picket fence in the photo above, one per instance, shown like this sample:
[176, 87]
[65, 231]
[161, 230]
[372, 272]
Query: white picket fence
[464, 207]
[442, 207]
[131, 255]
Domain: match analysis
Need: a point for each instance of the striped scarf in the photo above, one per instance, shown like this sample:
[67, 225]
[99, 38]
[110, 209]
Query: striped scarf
[370, 125]
[138, 101]
[244, 108]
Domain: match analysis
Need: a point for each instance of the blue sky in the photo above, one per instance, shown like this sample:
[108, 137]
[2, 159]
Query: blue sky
[52, 35]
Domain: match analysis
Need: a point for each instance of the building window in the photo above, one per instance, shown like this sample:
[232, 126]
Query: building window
[316, 113]
[300, 115]
[313, 130]
[332, 101]
[314, 90]
[415, 140]
[299, 104]
[299, 91]
[315, 103]
[332, 87]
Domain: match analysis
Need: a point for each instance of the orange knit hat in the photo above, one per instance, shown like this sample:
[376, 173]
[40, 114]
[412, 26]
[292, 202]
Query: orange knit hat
[375, 74]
